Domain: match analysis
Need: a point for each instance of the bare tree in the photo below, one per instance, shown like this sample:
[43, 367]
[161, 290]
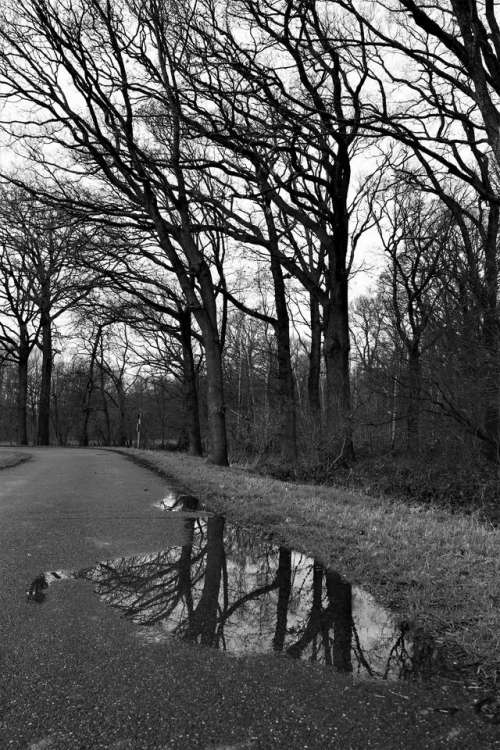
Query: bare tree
[283, 105]
[19, 322]
[435, 68]
[127, 133]
[45, 241]
[415, 237]
[165, 344]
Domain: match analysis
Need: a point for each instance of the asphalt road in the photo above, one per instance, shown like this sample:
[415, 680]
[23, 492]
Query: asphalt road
[74, 675]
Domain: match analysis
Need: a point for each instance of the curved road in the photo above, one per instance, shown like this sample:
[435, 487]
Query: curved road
[75, 676]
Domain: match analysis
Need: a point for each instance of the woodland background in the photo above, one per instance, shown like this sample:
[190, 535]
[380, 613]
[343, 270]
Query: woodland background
[190, 193]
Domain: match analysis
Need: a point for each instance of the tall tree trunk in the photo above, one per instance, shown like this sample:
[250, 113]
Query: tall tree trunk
[189, 387]
[205, 314]
[394, 406]
[185, 585]
[203, 622]
[217, 453]
[104, 400]
[336, 353]
[321, 644]
[318, 622]
[216, 409]
[22, 387]
[336, 317]
[287, 419]
[284, 576]
[55, 418]
[122, 412]
[286, 388]
[491, 343]
[340, 599]
[46, 374]
[89, 389]
[414, 394]
[314, 359]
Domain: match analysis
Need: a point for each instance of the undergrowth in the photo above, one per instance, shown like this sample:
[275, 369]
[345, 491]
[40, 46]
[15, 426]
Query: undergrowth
[458, 485]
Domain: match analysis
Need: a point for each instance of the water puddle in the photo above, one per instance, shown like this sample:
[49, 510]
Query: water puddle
[228, 588]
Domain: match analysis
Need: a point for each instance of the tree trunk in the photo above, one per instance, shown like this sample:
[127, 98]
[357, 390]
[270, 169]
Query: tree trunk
[205, 314]
[217, 453]
[414, 393]
[216, 410]
[287, 423]
[286, 419]
[46, 378]
[394, 407]
[284, 576]
[58, 431]
[314, 359]
[318, 622]
[104, 400]
[336, 317]
[185, 585]
[89, 389]
[340, 599]
[336, 353]
[22, 388]
[189, 387]
[122, 412]
[203, 622]
[491, 342]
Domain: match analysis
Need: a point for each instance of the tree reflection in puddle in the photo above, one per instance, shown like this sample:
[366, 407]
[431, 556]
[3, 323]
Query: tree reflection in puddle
[229, 589]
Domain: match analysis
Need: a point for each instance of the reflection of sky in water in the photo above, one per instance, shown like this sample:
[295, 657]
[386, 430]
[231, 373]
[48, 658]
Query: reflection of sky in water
[228, 591]
[251, 628]
[166, 503]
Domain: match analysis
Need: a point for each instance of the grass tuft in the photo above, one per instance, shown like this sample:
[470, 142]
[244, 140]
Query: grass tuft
[10, 458]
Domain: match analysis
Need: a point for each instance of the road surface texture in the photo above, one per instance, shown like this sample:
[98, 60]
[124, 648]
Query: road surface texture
[75, 675]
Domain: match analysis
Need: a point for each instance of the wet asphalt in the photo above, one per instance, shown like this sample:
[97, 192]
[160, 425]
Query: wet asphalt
[74, 675]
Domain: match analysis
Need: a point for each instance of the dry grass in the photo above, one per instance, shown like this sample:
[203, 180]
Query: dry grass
[437, 569]
[10, 458]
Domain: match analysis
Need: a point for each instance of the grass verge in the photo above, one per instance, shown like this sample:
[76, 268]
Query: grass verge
[439, 570]
[10, 458]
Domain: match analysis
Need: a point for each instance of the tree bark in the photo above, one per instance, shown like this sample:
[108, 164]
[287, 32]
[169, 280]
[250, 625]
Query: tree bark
[206, 317]
[203, 622]
[313, 379]
[336, 353]
[22, 387]
[287, 423]
[340, 599]
[216, 409]
[189, 386]
[122, 412]
[336, 316]
[284, 575]
[286, 420]
[491, 343]
[318, 622]
[46, 374]
[414, 394]
[217, 453]
[89, 389]
[104, 400]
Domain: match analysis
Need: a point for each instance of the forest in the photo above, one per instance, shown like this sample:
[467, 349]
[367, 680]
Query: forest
[264, 231]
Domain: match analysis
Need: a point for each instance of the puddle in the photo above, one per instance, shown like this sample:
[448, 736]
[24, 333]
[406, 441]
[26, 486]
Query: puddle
[227, 588]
